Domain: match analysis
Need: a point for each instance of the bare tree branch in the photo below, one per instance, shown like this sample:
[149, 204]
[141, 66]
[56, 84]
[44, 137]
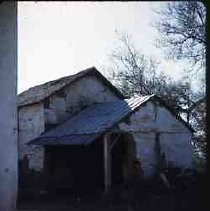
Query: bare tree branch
[181, 25]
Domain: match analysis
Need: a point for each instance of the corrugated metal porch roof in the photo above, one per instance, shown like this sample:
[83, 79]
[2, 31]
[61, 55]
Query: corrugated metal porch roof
[79, 139]
[93, 121]
[90, 123]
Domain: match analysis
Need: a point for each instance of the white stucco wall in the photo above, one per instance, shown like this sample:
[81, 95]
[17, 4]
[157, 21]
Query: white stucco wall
[57, 112]
[175, 138]
[145, 143]
[177, 148]
[31, 125]
[152, 118]
[34, 118]
[8, 107]
[84, 92]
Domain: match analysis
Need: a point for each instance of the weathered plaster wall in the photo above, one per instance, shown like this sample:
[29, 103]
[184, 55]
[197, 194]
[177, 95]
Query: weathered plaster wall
[128, 155]
[145, 143]
[177, 148]
[35, 119]
[31, 125]
[175, 138]
[87, 91]
[55, 113]
[75, 97]
[152, 118]
[8, 107]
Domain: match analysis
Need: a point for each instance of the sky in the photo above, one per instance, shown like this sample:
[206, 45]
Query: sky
[57, 39]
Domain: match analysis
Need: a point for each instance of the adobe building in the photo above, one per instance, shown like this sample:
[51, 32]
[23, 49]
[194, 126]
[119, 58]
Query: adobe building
[80, 133]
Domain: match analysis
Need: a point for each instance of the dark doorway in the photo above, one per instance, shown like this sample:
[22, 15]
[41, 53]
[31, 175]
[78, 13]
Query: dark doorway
[117, 161]
[74, 169]
[123, 154]
[79, 169]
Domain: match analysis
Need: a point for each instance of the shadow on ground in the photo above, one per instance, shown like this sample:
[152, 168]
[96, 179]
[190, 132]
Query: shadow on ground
[151, 197]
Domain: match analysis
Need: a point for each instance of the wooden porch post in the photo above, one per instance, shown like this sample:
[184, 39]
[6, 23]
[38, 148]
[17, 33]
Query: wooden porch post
[107, 162]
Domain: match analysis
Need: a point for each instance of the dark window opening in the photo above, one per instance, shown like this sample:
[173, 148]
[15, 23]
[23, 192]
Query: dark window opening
[47, 103]
[61, 93]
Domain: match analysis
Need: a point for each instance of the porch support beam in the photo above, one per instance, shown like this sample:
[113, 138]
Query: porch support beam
[115, 141]
[107, 162]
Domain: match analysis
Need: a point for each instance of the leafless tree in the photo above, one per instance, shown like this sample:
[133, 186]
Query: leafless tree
[135, 74]
[182, 29]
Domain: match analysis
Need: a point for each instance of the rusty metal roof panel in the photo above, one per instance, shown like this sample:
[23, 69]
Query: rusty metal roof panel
[95, 119]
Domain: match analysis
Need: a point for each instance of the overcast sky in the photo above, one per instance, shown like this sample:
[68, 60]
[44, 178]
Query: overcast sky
[57, 39]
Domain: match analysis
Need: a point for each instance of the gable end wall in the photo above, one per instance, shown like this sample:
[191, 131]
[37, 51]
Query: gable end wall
[175, 137]
[76, 97]
[36, 118]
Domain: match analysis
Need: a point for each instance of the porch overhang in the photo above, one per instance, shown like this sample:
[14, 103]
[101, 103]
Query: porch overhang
[90, 123]
[76, 139]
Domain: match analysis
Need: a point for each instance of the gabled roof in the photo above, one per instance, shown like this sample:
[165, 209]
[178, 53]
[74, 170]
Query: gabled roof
[40, 92]
[93, 121]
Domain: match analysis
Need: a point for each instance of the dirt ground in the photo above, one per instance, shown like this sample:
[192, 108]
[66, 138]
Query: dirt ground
[149, 198]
